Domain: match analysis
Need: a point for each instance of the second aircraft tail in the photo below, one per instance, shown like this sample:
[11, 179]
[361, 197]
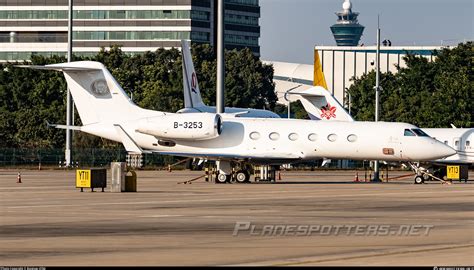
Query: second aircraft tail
[321, 105]
[192, 95]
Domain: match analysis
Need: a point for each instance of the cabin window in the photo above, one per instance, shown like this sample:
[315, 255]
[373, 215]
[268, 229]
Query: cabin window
[254, 135]
[408, 133]
[420, 132]
[352, 138]
[388, 151]
[274, 136]
[312, 137]
[456, 143]
[468, 143]
[332, 137]
[446, 142]
[293, 136]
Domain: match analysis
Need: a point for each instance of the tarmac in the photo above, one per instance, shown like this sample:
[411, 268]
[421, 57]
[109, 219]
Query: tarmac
[46, 221]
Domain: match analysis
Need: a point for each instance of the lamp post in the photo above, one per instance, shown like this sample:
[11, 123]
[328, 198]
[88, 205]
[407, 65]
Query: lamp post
[220, 98]
[287, 99]
[377, 93]
[69, 101]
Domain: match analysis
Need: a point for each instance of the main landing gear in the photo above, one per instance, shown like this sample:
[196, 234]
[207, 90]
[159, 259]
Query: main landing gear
[225, 173]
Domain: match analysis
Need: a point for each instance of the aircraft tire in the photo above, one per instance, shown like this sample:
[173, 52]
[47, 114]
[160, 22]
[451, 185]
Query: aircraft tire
[222, 178]
[242, 176]
[419, 180]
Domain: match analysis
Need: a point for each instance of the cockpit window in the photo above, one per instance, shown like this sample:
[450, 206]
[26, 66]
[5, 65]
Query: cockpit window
[420, 132]
[408, 132]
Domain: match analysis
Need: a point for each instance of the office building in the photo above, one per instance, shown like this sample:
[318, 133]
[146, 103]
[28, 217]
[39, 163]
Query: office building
[40, 26]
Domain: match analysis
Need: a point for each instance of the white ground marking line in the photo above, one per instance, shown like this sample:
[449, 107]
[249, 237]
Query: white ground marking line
[233, 199]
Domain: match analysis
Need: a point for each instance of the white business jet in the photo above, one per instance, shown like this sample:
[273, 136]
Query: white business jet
[107, 111]
[192, 95]
[321, 105]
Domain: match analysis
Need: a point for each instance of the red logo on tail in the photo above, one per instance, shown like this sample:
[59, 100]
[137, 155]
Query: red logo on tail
[328, 111]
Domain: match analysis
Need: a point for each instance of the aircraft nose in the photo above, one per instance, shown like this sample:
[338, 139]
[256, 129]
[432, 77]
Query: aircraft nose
[443, 150]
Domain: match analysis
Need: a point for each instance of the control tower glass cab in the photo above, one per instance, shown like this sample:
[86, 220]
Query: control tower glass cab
[347, 31]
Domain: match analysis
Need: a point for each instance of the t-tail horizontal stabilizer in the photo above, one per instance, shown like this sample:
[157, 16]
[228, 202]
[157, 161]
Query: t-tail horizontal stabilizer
[63, 126]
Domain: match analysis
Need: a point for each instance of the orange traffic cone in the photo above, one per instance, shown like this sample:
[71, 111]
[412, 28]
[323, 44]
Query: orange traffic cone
[19, 178]
[356, 177]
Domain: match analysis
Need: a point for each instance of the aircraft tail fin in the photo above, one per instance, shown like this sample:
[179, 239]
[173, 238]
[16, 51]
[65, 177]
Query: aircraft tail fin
[97, 95]
[192, 95]
[319, 79]
[321, 105]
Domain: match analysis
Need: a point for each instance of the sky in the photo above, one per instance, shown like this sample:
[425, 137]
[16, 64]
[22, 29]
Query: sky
[291, 28]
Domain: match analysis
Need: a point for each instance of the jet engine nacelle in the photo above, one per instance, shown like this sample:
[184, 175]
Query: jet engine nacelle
[199, 126]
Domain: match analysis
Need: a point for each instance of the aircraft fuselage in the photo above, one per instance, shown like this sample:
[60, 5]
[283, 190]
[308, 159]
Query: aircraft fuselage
[290, 139]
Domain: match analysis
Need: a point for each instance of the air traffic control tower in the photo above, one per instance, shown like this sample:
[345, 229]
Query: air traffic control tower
[347, 31]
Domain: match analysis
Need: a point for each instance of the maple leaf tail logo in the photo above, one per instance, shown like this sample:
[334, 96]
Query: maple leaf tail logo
[328, 111]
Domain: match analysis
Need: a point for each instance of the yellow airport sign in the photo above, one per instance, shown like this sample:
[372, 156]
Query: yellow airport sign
[83, 178]
[453, 172]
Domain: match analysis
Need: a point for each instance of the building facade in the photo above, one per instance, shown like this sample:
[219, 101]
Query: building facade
[340, 65]
[40, 26]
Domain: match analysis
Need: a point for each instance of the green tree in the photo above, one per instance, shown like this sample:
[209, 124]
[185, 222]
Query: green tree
[426, 94]
[29, 98]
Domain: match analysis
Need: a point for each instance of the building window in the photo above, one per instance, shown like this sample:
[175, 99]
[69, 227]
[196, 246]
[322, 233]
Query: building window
[102, 14]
